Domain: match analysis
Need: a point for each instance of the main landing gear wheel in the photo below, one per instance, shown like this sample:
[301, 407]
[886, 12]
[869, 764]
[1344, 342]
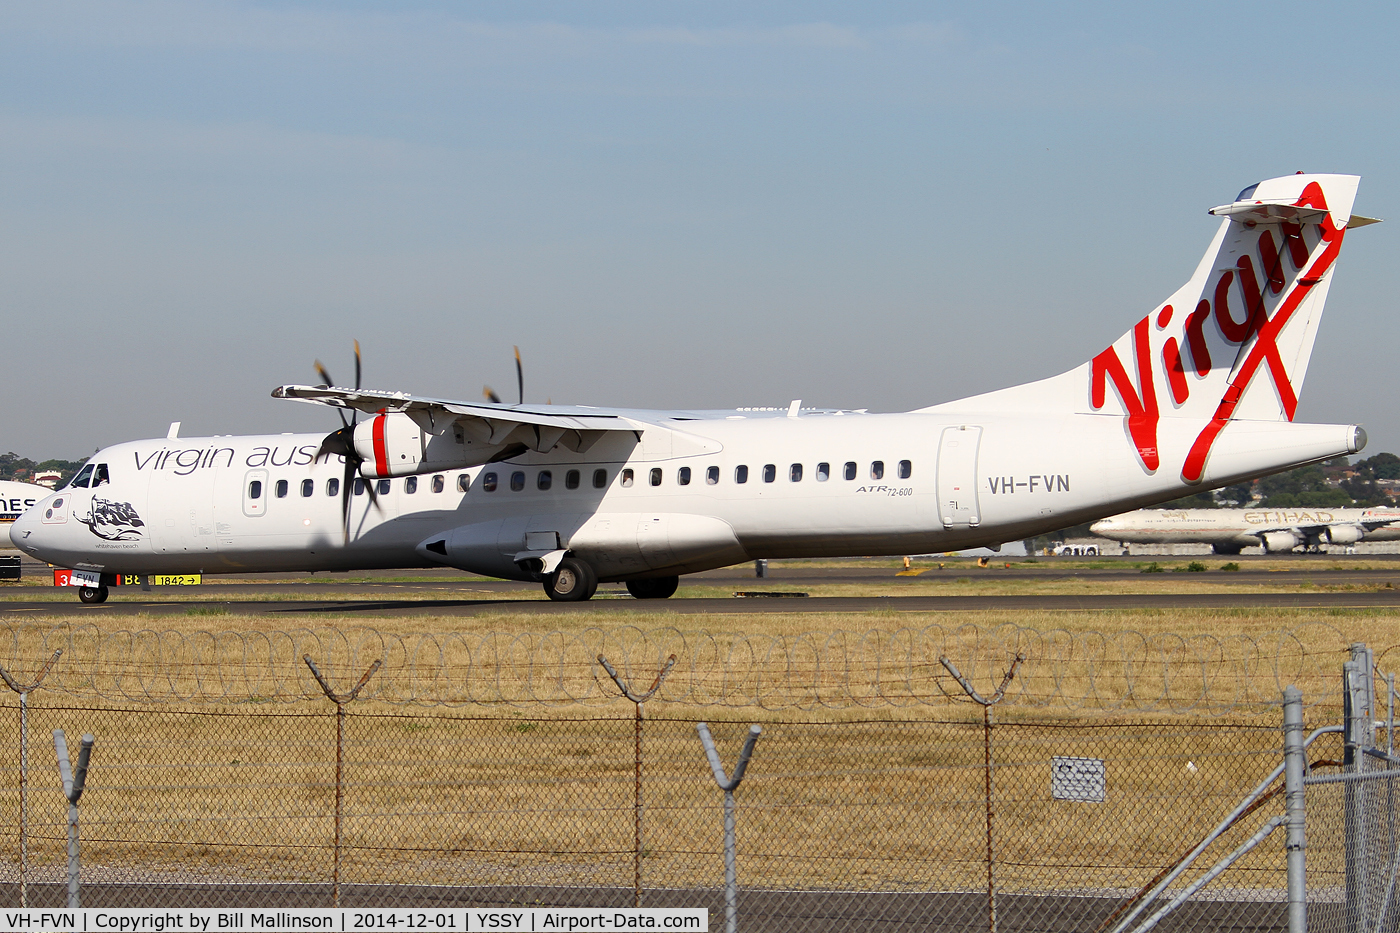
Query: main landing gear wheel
[92, 594]
[574, 581]
[653, 588]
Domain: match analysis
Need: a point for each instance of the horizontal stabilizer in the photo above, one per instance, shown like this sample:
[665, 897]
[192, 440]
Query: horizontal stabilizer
[1269, 212]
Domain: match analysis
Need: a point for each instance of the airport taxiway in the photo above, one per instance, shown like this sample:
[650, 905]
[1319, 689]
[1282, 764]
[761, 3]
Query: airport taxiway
[1307, 583]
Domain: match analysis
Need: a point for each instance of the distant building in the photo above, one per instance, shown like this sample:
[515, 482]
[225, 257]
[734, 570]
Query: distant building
[47, 478]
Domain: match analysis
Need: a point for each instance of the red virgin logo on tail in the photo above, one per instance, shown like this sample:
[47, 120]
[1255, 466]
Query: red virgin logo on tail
[1140, 400]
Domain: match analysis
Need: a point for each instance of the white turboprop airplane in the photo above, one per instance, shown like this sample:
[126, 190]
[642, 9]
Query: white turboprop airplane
[1228, 531]
[1199, 393]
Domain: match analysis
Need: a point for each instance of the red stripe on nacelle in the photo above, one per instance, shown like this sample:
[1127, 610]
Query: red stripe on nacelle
[381, 449]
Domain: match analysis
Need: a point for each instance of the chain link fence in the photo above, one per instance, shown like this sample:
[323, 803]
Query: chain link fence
[1353, 818]
[878, 797]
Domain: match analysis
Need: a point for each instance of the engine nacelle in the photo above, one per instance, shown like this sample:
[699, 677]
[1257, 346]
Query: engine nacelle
[618, 546]
[1280, 541]
[1343, 534]
[393, 445]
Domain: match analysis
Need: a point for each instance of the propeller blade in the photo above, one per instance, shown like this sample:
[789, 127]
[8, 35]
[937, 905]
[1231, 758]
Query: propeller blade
[519, 376]
[373, 496]
[342, 443]
[355, 415]
[328, 382]
[346, 488]
[490, 395]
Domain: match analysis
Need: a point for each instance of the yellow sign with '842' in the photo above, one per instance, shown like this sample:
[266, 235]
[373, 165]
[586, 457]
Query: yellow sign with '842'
[161, 579]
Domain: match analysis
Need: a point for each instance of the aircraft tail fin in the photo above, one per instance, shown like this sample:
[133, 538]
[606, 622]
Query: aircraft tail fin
[1232, 343]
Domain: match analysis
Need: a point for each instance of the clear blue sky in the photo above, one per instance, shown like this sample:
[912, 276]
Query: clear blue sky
[664, 204]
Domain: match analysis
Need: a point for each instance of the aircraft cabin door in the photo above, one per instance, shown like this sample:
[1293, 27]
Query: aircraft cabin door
[957, 476]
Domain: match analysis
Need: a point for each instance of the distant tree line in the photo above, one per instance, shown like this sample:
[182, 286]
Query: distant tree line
[22, 469]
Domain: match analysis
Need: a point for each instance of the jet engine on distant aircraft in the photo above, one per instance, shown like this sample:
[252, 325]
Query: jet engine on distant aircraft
[1280, 541]
[1343, 534]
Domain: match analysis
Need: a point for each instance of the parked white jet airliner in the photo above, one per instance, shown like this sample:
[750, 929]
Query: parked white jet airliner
[16, 497]
[1199, 393]
[1228, 531]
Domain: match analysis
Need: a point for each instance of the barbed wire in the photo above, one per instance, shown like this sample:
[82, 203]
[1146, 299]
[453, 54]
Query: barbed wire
[834, 670]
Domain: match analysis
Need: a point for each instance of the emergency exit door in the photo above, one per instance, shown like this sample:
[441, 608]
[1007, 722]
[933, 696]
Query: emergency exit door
[957, 476]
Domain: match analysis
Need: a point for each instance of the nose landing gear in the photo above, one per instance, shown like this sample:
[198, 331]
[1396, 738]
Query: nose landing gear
[92, 594]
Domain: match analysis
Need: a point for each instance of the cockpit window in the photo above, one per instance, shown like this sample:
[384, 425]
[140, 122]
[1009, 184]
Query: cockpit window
[100, 476]
[84, 477]
[1246, 192]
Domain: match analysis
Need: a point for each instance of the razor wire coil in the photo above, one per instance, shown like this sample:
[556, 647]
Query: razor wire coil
[836, 670]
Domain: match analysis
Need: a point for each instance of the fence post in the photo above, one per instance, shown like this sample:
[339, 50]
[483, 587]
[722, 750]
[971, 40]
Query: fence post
[339, 700]
[637, 699]
[1358, 696]
[729, 785]
[23, 691]
[1295, 765]
[987, 703]
[74, 780]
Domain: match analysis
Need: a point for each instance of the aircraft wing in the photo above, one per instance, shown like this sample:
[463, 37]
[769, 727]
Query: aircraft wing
[1316, 528]
[576, 427]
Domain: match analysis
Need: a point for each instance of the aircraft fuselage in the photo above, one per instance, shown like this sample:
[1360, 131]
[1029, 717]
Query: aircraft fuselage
[666, 499]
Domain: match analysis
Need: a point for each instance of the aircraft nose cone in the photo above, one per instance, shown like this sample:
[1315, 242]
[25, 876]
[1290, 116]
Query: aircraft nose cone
[22, 531]
[1102, 525]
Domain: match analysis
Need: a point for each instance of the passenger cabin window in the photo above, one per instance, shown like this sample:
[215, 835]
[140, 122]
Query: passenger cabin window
[571, 479]
[795, 473]
[439, 483]
[383, 487]
[464, 482]
[281, 489]
[655, 476]
[877, 470]
[600, 479]
[627, 477]
[255, 489]
[332, 487]
[906, 469]
[770, 472]
[308, 488]
[488, 481]
[741, 473]
[100, 477]
[359, 486]
[544, 480]
[712, 476]
[823, 472]
[850, 470]
[410, 485]
[683, 476]
[83, 478]
[517, 481]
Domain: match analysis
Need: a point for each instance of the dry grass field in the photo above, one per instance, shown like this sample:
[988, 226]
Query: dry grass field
[488, 751]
